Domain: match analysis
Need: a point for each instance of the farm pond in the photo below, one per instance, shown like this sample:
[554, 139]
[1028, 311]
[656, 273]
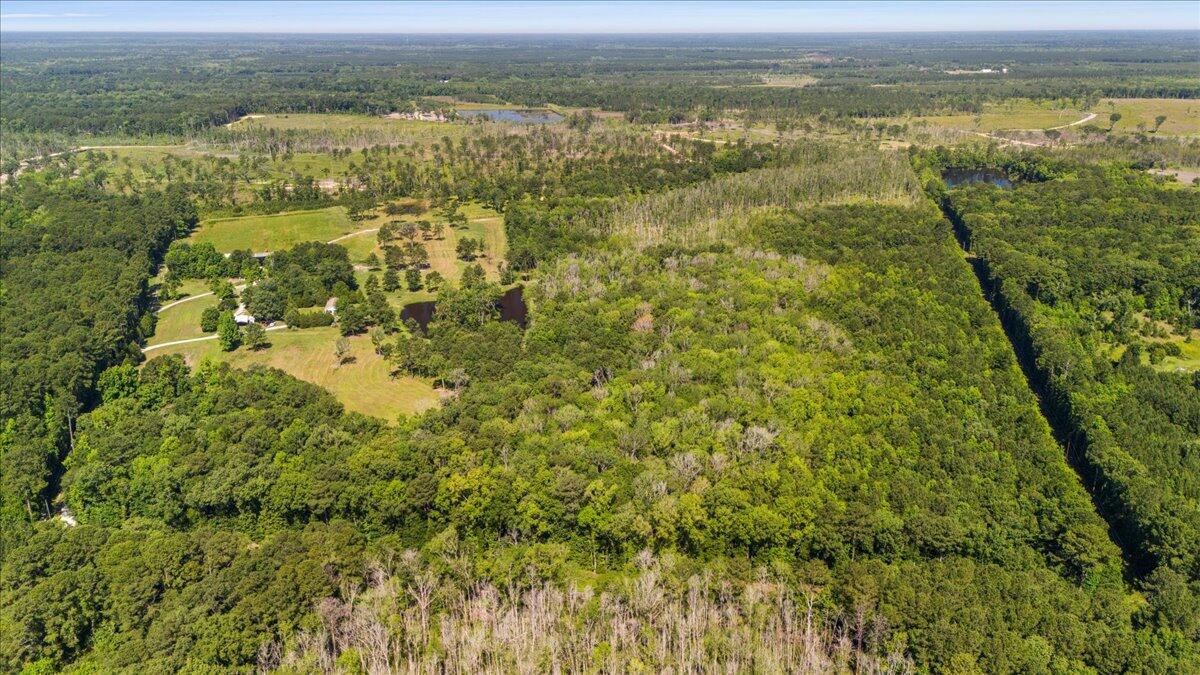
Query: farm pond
[518, 116]
[956, 177]
[511, 305]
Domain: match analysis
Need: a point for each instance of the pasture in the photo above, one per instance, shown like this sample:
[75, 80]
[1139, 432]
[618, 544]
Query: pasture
[276, 231]
[482, 223]
[1183, 115]
[363, 383]
[1011, 115]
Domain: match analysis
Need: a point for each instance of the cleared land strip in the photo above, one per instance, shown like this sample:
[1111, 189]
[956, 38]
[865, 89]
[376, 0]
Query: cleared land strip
[24, 164]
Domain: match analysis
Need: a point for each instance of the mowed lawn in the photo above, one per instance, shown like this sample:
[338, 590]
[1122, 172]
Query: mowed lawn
[363, 384]
[182, 321]
[1183, 115]
[277, 231]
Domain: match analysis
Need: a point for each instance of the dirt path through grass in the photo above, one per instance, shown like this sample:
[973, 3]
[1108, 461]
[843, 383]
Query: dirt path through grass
[1088, 118]
[352, 234]
[214, 336]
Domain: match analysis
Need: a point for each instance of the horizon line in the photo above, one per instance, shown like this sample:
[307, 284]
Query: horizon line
[578, 33]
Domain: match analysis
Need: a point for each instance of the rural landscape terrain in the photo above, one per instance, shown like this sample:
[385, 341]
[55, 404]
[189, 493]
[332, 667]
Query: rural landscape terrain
[662, 353]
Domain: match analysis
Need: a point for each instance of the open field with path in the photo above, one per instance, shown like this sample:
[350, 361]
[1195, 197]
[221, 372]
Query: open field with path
[363, 384]
[482, 223]
[276, 231]
[181, 321]
[998, 117]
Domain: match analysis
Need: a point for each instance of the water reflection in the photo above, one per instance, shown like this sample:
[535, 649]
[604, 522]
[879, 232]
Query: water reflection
[955, 177]
[511, 305]
[518, 116]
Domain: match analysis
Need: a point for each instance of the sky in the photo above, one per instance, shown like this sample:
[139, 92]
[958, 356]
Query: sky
[505, 16]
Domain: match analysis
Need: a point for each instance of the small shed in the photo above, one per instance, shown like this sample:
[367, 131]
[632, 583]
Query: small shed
[331, 306]
[242, 317]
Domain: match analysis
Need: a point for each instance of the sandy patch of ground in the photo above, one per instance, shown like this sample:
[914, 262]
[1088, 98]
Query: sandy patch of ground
[1187, 176]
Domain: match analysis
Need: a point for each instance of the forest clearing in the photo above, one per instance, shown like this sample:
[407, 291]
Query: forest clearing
[273, 232]
[361, 380]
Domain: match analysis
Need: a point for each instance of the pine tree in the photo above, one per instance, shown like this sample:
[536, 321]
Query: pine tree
[228, 332]
[391, 280]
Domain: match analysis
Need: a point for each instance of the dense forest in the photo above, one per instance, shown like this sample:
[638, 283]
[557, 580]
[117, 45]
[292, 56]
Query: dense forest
[1098, 274]
[75, 264]
[755, 411]
[798, 391]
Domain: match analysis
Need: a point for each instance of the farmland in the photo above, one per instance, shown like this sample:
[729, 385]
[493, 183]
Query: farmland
[1004, 116]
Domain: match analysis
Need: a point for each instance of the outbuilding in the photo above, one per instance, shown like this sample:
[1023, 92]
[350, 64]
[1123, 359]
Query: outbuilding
[331, 306]
[242, 317]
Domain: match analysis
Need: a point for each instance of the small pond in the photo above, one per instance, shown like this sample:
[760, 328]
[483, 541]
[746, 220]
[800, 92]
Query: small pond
[955, 177]
[511, 305]
[518, 116]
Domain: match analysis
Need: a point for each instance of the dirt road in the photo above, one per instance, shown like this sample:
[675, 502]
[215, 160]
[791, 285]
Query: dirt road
[1088, 118]
[214, 336]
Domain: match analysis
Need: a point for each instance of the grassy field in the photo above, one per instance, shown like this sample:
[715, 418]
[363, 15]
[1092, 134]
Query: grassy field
[182, 321]
[187, 287]
[366, 129]
[997, 117]
[363, 384]
[1183, 115]
[472, 105]
[483, 223]
[275, 232]
[1189, 360]
[323, 122]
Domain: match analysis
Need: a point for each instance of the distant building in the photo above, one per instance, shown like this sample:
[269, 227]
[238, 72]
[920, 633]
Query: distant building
[331, 306]
[241, 316]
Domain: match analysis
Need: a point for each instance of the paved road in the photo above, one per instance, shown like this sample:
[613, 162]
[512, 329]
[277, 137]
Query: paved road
[214, 336]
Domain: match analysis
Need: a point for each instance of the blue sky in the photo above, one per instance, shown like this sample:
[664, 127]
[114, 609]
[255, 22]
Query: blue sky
[594, 17]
